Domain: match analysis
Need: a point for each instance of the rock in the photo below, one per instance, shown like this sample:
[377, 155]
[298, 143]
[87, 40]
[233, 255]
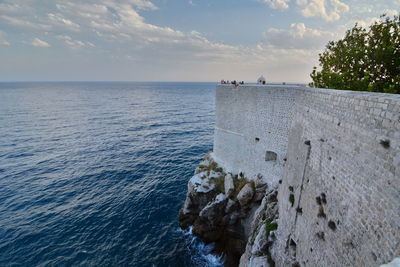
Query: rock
[394, 263]
[246, 194]
[215, 209]
[261, 187]
[272, 196]
[260, 242]
[254, 261]
[260, 192]
[259, 262]
[200, 183]
[231, 206]
[233, 217]
[229, 185]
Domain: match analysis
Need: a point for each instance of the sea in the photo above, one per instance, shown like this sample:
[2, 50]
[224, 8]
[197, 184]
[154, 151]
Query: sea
[94, 173]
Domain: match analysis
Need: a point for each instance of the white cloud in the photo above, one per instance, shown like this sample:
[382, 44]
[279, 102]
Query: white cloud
[117, 31]
[297, 37]
[74, 44]
[3, 41]
[143, 4]
[22, 23]
[319, 8]
[277, 4]
[60, 20]
[40, 43]
[301, 2]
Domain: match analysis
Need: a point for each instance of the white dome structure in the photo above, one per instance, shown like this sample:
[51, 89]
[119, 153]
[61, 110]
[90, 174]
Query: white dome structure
[261, 80]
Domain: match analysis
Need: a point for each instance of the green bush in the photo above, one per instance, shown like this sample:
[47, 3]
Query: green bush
[364, 60]
[219, 183]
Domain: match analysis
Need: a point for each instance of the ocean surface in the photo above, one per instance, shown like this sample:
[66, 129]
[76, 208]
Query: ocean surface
[94, 174]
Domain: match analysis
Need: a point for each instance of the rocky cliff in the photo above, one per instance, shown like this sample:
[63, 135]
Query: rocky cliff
[237, 214]
[327, 161]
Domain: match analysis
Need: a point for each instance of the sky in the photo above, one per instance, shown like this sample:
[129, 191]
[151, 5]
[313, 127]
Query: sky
[174, 40]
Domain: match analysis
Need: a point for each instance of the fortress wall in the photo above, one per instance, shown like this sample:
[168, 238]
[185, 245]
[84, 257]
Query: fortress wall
[251, 120]
[343, 169]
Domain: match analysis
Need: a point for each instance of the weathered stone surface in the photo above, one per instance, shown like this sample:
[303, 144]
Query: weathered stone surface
[214, 209]
[394, 263]
[231, 206]
[229, 185]
[337, 166]
[260, 242]
[246, 194]
[260, 192]
[343, 179]
[259, 261]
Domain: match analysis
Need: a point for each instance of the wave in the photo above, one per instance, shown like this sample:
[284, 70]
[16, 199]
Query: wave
[201, 253]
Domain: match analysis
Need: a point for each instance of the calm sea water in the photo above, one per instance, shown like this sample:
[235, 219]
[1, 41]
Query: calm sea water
[94, 174]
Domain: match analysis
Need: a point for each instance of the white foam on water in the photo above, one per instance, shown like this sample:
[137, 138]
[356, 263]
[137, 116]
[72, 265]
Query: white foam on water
[201, 254]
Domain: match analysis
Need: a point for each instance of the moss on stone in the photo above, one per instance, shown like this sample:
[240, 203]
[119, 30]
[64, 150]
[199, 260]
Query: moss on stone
[219, 183]
[239, 184]
[270, 226]
[291, 199]
[213, 166]
[321, 212]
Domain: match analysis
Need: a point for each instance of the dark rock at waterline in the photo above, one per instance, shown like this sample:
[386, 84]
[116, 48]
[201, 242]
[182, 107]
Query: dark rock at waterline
[217, 212]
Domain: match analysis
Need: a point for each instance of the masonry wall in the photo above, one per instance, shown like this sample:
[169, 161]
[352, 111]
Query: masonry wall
[252, 126]
[338, 162]
[343, 172]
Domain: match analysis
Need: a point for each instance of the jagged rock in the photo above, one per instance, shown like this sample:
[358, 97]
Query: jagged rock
[229, 185]
[225, 219]
[260, 192]
[246, 194]
[259, 261]
[394, 263]
[272, 196]
[260, 242]
[214, 208]
[201, 191]
[231, 206]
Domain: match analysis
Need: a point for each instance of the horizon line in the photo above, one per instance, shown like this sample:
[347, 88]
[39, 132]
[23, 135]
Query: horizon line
[122, 81]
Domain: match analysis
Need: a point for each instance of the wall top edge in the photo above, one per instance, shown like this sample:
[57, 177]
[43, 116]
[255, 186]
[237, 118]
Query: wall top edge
[262, 85]
[333, 92]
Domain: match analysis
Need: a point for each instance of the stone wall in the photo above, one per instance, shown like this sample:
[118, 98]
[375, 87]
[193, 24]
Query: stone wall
[252, 126]
[338, 159]
[343, 175]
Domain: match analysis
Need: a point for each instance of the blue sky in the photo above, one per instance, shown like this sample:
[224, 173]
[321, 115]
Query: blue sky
[173, 40]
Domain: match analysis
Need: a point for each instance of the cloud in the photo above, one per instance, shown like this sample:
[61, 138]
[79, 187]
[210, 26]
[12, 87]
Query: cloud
[143, 4]
[40, 43]
[3, 41]
[277, 4]
[117, 33]
[74, 44]
[319, 8]
[60, 20]
[22, 23]
[297, 37]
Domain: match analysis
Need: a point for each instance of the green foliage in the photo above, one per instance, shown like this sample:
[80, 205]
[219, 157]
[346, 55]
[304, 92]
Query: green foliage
[364, 60]
[219, 183]
[321, 212]
[239, 183]
[213, 166]
[291, 199]
[270, 226]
